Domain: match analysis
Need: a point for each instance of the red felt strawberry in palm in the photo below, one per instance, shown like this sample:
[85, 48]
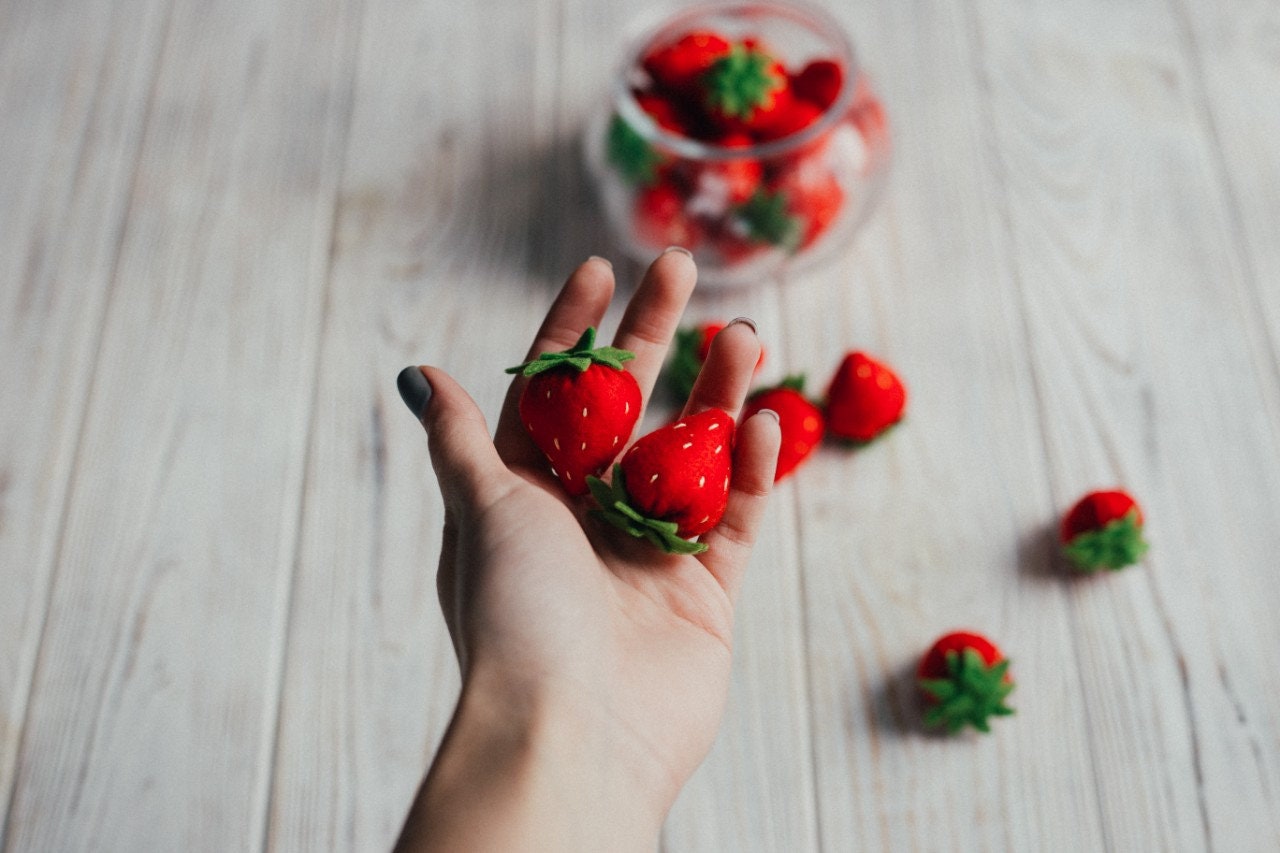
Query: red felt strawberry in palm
[965, 680]
[1103, 531]
[579, 408]
[673, 484]
[692, 346]
[801, 422]
[864, 399]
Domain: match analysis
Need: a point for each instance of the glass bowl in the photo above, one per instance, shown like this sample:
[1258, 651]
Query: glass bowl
[726, 131]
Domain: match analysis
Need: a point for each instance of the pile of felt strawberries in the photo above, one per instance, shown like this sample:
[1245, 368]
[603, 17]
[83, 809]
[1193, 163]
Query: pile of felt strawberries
[581, 405]
[733, 95]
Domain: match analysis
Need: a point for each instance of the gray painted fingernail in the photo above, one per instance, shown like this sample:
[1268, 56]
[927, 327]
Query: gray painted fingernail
[776, 417]
[746, 321]
[604, 261]
[415, 390]
[681, 249]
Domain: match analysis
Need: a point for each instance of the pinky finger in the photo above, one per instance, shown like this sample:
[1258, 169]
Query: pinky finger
[729, 542]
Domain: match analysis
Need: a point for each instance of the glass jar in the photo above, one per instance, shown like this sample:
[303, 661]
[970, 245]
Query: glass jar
[751, 191]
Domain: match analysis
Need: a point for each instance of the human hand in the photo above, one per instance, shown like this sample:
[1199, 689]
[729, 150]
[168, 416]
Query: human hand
[595, 667]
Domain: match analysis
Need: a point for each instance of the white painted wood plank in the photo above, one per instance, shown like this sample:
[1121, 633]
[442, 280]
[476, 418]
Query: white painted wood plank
[74, 85]
[940, 525]
[1140, 331]
[452, 116]
[155, 696]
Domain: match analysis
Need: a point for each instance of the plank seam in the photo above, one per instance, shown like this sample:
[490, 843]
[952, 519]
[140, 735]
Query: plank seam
[82, 428]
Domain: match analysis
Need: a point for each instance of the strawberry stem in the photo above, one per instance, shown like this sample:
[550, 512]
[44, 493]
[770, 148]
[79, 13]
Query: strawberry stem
[615, 508]
[1118, 544]
[741, 81]
[580, 356]
[971, 692]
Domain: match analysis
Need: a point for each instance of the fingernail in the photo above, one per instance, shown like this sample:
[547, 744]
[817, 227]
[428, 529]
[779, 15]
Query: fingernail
[777, 419]
[746, 321]
[415, 390]
[604, 261]
[681, 249]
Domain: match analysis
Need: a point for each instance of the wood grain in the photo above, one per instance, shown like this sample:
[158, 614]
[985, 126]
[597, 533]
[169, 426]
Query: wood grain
[74, 101]
[153, 697]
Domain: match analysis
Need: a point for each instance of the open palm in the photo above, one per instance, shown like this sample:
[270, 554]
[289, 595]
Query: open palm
[536, 595]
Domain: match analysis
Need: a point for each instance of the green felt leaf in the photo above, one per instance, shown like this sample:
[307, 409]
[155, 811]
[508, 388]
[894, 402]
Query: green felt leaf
[794, 382]
[970, 694]
[1118, 544]
[769, 220]
[580, 356]
[683, 368]
[631, 154]
[614, 508]
[741, 81]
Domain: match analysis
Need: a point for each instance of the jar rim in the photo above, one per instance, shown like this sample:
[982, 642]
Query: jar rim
[811, 16]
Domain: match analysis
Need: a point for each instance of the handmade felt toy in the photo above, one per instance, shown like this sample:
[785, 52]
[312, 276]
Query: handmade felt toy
[864, 399]
[579, 408]
[673, 484]
[801, 421]
[689, 353]
[964, 679]
[1103, 531]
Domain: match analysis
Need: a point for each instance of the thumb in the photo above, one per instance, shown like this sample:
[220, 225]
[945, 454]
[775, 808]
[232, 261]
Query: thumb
[462, 453]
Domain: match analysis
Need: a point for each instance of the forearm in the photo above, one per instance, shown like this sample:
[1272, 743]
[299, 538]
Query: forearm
[517, 772]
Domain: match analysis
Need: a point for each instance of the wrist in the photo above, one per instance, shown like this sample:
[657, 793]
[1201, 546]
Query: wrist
[523, 766]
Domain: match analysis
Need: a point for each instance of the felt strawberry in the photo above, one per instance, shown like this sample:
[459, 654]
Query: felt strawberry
[673, 484]
[864, 399]
[965, 680]
[692, 345]
[664, 113]
[636, 160]
[1103, 531]
[814, 197]
[579, 408]
[819, 83]
[789, 115]
[744, 89]
[660, 218]
[678, 65]
[728, 182]
[801, 421]
[766, 219]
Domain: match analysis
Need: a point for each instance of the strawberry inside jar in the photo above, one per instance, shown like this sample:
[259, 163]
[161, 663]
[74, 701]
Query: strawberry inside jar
[743, 132]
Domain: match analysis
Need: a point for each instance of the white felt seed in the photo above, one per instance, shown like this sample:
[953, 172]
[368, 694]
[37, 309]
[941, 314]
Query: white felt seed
[654, 477]
[556, 442]
[688, 444]
[548, 393]
[584, 445]
[719, 447]
[702, 481]
[553, 472]
[615, 441]
[568, 475]
[705, 519]
[864, 371]
[726, 484]
[713, 426]
[680, 426]
[584, 411]
[626, 408]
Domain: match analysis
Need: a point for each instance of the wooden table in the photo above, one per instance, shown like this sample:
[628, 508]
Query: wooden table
[225, 227]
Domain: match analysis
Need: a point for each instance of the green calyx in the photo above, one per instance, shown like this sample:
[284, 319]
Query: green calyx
[971, 693]
[616, 509]
[768, 220]
[683, 368]
[580, 356]
[741, 81]
[631, 154]
[1117, 544]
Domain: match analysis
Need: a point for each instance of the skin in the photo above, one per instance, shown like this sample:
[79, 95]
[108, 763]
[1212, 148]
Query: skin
[595, 669]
